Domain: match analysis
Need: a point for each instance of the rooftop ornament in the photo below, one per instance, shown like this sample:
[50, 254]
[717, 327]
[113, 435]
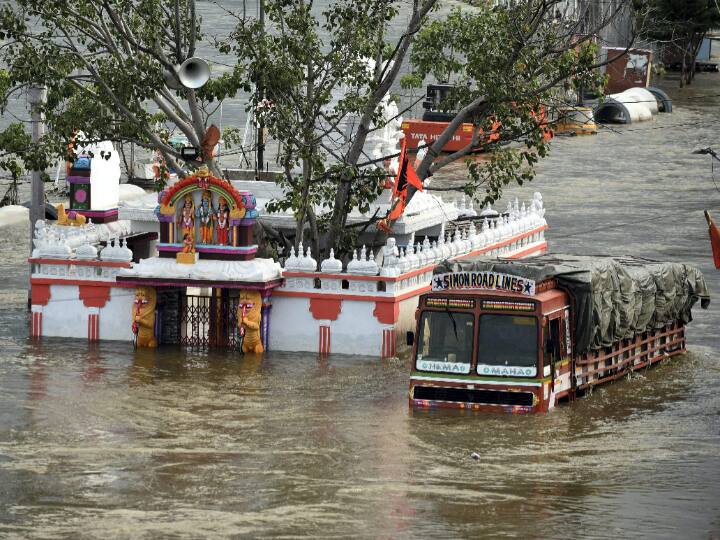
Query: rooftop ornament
[219, 217]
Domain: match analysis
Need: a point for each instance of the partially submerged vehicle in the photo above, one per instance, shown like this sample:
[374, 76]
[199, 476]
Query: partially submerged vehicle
[524, 336]
[435, 119]
[425, 131]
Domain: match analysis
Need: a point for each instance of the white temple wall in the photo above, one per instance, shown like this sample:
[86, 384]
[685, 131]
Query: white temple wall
[406, 320]
[356, 330]
[292, 326]
[65, 315]
[116, 315]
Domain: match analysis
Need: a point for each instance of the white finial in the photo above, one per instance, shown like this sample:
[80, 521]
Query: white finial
[331, 265]
[309, 263]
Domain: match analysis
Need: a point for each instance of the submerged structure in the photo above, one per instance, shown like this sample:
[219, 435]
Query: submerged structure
[180, 268]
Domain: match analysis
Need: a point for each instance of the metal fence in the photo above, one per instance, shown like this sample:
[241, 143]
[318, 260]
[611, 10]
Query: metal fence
[209, 321]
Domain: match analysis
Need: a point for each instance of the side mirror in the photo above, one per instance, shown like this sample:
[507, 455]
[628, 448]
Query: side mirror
[410, 339]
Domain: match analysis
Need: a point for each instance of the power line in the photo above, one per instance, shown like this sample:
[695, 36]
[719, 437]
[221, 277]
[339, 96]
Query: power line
[713, 156]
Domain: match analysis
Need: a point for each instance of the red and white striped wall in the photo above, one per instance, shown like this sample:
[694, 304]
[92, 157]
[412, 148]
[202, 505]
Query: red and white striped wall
[389, 342]
[324, 339]
[93, 324]
[36, 314]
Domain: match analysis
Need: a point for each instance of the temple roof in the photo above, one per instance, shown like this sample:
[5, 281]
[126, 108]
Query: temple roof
[424, 210]
[166, 271]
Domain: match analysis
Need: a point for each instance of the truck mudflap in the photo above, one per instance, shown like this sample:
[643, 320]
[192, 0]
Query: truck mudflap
[428, 394]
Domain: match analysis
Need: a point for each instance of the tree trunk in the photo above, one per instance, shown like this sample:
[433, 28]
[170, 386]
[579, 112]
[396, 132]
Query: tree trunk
[339, 218]
[302, 214]
[309, 147]
[314, 234]
[683, 66]
[384, 81]
[214, 167]
[695, 51]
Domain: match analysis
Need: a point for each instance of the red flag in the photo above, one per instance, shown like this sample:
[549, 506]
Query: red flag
[406, 174]
[714, 239]
[398, 207]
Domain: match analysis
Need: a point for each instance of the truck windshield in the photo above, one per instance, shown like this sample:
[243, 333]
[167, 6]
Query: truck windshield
[507, 345]
[445, 341]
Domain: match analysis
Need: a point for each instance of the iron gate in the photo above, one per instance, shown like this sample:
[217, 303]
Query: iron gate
[209, 321]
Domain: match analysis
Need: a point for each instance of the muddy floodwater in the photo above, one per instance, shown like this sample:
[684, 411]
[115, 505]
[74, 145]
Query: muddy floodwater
[111, 443]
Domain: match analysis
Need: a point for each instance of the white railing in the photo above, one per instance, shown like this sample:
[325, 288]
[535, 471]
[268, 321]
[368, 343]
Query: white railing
[516, 231]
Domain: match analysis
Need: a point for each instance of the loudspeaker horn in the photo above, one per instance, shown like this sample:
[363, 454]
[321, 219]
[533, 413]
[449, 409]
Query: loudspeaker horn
[193, 72]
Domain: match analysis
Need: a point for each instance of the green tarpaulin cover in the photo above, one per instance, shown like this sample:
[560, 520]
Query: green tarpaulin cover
[614, 298]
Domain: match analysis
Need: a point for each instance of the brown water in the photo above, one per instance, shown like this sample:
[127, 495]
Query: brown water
[107, 442]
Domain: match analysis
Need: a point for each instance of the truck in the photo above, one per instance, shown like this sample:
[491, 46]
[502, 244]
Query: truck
[421, 132]
[524, 336]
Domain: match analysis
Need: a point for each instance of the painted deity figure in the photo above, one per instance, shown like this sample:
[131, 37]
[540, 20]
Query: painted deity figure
[204, 214]
[187, 216]
[143, 326]
[188, 244]
[222, 222]
[249, 316]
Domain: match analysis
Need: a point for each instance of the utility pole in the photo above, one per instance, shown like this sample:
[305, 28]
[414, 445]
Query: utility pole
[37, 95]
[260, 165]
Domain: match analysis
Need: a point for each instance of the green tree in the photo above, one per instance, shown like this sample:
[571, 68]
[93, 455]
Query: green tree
[102, 62]
[313, 77]
[322, 78]
[510, 67]
[507, 63]
[680, 26]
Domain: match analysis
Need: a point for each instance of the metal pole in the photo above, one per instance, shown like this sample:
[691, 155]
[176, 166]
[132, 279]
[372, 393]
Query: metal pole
[261, 95]
[36, 98]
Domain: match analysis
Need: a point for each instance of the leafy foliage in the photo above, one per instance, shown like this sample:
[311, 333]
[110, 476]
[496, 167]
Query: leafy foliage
[102, 63]
[314, 78]
[681, 26]
[510, 66]
[320, 75]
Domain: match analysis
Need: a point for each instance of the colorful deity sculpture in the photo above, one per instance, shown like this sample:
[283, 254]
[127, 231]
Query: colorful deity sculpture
[71, 218]
[204, 214]
[143, 325]
[188, 244]
[222, 222]
[187, 216]
[249, 316]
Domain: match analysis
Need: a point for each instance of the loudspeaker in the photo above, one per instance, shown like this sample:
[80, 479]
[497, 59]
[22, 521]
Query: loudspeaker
[193, 72]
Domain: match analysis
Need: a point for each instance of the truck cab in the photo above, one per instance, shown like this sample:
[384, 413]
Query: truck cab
[492, 342]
